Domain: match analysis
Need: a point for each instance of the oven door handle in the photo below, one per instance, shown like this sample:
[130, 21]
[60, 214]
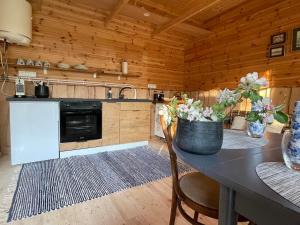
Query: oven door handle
[81, 112]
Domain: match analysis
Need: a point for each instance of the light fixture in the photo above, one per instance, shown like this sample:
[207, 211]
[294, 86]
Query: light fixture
[147, 13]
[15, 28]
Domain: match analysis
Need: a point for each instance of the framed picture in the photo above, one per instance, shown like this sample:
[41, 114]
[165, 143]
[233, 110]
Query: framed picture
[276, 51]
[278, 38]
[296, 39]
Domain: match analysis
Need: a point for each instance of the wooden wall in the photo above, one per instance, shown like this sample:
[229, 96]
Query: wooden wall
[239, 44]
[75, 34]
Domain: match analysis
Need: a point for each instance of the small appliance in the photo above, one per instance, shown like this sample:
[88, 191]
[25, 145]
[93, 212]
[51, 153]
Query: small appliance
[158, 97]
[41, 90]
[20, 88]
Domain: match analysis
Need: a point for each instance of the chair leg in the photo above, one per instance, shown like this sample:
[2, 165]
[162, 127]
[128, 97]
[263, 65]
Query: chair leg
[173, 208]
[196, 214]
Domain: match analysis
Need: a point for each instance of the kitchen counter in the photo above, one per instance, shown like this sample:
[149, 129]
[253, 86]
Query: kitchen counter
[75, 99]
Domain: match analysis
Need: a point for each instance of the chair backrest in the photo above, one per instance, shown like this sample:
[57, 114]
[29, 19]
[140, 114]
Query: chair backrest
[239, 123]
[170, 132]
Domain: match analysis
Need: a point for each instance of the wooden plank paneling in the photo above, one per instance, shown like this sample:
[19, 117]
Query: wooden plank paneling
[295, 96]
[240, 45]
[281, 96]
[75, 34]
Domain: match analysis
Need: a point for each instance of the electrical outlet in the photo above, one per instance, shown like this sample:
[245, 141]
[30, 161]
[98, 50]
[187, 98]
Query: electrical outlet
[152, 86]
[26, 74]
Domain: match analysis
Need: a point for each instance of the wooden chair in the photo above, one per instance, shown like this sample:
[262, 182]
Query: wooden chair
[197, 191]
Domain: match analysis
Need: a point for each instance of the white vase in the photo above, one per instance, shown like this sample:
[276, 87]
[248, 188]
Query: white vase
[256, 129]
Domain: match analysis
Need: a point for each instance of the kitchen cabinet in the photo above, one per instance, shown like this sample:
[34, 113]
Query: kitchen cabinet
[111, 123]
[134, 122]
[34, 131]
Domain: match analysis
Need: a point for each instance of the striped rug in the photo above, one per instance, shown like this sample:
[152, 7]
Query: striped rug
[53, 184]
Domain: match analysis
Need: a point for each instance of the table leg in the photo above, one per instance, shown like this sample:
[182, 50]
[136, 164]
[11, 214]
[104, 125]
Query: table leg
[227, 214]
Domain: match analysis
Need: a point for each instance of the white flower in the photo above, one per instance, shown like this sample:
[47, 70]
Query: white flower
[214, 117]
[251, 81]
[269, 118]
[228, 97]
[243, 80]
[252, 77]
[207, 112]
[183, 108]
[193, 114]
[257, 106]
[190, 101]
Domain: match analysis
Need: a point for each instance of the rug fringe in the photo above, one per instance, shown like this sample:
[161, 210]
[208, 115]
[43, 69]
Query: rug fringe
[6, 198]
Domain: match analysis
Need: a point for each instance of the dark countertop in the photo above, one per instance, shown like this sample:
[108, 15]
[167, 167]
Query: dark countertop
[11, 99]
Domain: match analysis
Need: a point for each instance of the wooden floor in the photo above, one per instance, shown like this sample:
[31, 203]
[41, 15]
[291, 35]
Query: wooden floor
[145, 205]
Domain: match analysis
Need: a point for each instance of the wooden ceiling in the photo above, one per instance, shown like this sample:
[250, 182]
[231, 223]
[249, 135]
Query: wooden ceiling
[185, 16]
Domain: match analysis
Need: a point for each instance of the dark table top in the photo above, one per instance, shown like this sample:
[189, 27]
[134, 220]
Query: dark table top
[11, 99]
[235, 168]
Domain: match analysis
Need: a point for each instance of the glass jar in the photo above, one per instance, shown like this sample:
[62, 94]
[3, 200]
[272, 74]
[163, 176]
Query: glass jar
[290, 144]
[290, 151]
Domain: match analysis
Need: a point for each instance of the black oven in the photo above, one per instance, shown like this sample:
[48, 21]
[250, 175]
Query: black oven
[80, 120]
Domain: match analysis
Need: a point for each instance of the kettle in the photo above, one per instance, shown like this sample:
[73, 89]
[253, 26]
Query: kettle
[41, 90]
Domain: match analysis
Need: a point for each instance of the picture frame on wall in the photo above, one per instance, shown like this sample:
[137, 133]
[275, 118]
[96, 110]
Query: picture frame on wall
[296, 39]
[276, 51]
[279, 38]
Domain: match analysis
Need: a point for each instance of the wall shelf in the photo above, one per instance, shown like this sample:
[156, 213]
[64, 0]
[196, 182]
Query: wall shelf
[90, 70]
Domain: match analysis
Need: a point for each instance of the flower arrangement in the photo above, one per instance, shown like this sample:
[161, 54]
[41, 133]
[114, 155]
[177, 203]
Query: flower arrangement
[262, 109]
[194, 111]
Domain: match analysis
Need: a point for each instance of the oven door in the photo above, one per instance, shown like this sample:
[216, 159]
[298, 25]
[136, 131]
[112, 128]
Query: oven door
[80, 125]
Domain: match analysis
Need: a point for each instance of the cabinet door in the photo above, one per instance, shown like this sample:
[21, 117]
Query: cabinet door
[110, 123]
[34, 131]
[134, 126]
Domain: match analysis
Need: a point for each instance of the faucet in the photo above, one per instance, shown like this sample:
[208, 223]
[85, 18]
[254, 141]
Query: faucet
[121, 95]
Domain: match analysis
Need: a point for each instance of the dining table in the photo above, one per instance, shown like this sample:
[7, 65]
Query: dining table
[242, 192]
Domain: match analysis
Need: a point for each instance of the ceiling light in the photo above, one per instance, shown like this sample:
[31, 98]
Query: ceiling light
[147, 13]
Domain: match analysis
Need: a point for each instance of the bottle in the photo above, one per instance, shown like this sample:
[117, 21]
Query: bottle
[109, 93]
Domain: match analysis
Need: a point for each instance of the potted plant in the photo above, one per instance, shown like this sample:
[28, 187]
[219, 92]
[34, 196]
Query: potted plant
[200, 129]
[262, 111]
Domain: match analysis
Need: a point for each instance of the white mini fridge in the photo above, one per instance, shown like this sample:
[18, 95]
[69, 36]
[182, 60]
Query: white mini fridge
[34, 131]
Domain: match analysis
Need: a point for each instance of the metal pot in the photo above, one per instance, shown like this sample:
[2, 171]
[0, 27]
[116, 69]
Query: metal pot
[41, 90]
[202, 138]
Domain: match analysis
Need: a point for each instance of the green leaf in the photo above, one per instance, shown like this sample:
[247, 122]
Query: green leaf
[254, 97]
[245, 94]
[281, 117]
[253, 116]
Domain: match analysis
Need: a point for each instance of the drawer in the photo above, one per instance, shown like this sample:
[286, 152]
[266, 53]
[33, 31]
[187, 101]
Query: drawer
[135, 106]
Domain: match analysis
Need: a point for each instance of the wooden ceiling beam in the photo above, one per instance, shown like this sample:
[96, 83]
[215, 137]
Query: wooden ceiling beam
[185, 16]
[115, 11]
